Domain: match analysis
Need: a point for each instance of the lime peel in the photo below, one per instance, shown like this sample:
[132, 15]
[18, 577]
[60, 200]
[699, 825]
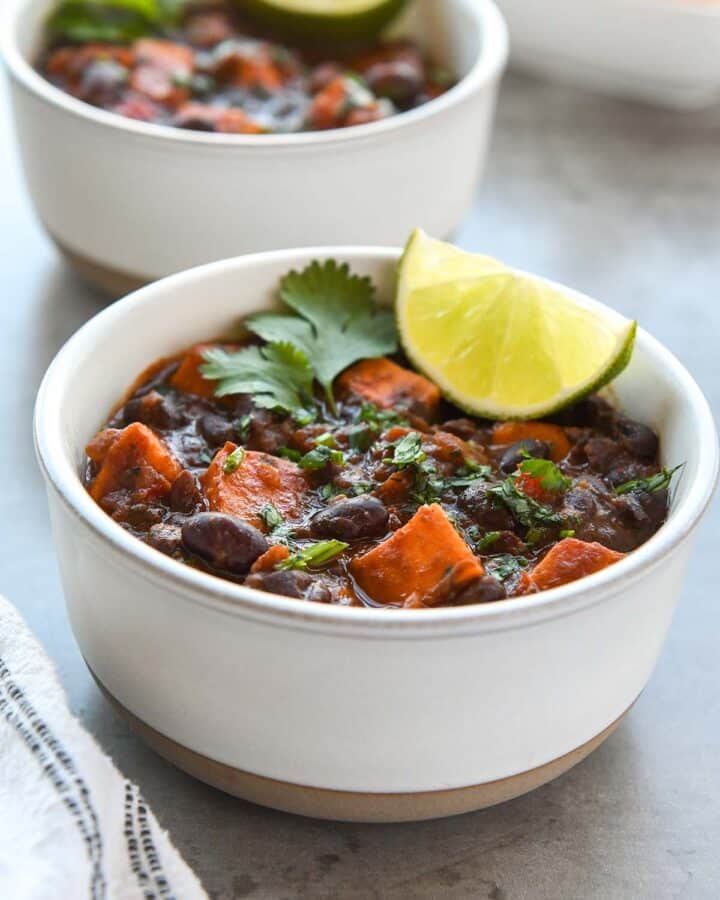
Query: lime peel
[501, 344]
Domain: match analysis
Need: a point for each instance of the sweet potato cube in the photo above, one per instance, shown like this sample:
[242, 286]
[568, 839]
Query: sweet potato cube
[412, 561]
[389, 386]
[571, 559]
[553, 435]
[188, 377]
[138, 460]
[258, 480]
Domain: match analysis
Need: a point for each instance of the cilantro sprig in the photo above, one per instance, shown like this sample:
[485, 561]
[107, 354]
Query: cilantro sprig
[277, 375]
[312, 556]
[334, 322]
[657, 482]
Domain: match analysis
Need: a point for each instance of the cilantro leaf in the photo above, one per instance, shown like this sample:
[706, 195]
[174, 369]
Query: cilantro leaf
[652, 483]
[380, 419]
[234, 460]
[504, 566]
[271, 516]
[313, 556]
[320, 456]
[338, 321]
[407, 451]
[527, 511]
[278, 375]
[550, 477]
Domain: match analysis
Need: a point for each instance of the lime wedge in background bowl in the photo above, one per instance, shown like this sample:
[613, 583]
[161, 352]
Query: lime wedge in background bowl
[319, 21]
[499, 343]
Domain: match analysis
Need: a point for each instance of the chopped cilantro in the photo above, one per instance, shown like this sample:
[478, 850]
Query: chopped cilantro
[407, 451]
[566, 533]
[504, 566]
[550, 477]
[320, 456]
[526, 510]
[205, 457]
[313, 556]
[289, 453]
[271, 516]
[336, 321]
[360, 437]
[234, 460]
[486, 541]
[242, 427]
[380, 419]
[362, 487]
[653, 483]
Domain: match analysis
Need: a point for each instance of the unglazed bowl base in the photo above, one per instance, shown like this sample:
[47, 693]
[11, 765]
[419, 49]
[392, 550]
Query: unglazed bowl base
[352, 806]
[111, 282]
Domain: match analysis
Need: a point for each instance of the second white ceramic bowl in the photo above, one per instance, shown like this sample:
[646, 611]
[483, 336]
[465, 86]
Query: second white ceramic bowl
[129, 202]
[341, 712]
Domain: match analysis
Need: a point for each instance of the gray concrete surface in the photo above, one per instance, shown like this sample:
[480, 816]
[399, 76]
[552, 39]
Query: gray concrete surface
[622, 202]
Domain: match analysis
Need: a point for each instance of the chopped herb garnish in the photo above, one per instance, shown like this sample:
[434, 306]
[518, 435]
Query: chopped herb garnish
[551, 479]
[242, 427]
[326, 439]
[320, 457]
[526, 510]
[380, 419]
[360, 437]
[234, 460]
[504, 566]
[278, 375]
[205, 457]
[566, 533]
[486, 541]
[289, 453]
[362, 487]
[338, 321]
[649, 485]
[407, 451]
[467, 475]
[271, 516]
[313, 556]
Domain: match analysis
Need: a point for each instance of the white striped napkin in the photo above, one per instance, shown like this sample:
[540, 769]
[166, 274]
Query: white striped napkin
[70, 824]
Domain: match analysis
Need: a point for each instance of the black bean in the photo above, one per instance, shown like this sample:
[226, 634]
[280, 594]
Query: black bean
[637, 438]
[475, 502]
[485, 589]
[153, 409]
[515, 453]
[225, 542]
[292, 583]
[602, 453]
[103, 82]
[351, 520]
[399, 81]
[185, 494]
[216, 430]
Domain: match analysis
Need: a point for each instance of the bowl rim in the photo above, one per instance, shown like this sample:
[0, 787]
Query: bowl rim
[488, 65]
[196, 586]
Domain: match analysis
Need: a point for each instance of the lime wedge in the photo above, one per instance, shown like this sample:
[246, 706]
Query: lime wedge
[325, 20]
[498, 343]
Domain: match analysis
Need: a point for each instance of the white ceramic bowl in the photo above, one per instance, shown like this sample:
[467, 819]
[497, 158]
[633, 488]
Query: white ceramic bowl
[659, 51]
[129, 202]
[350, 713]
